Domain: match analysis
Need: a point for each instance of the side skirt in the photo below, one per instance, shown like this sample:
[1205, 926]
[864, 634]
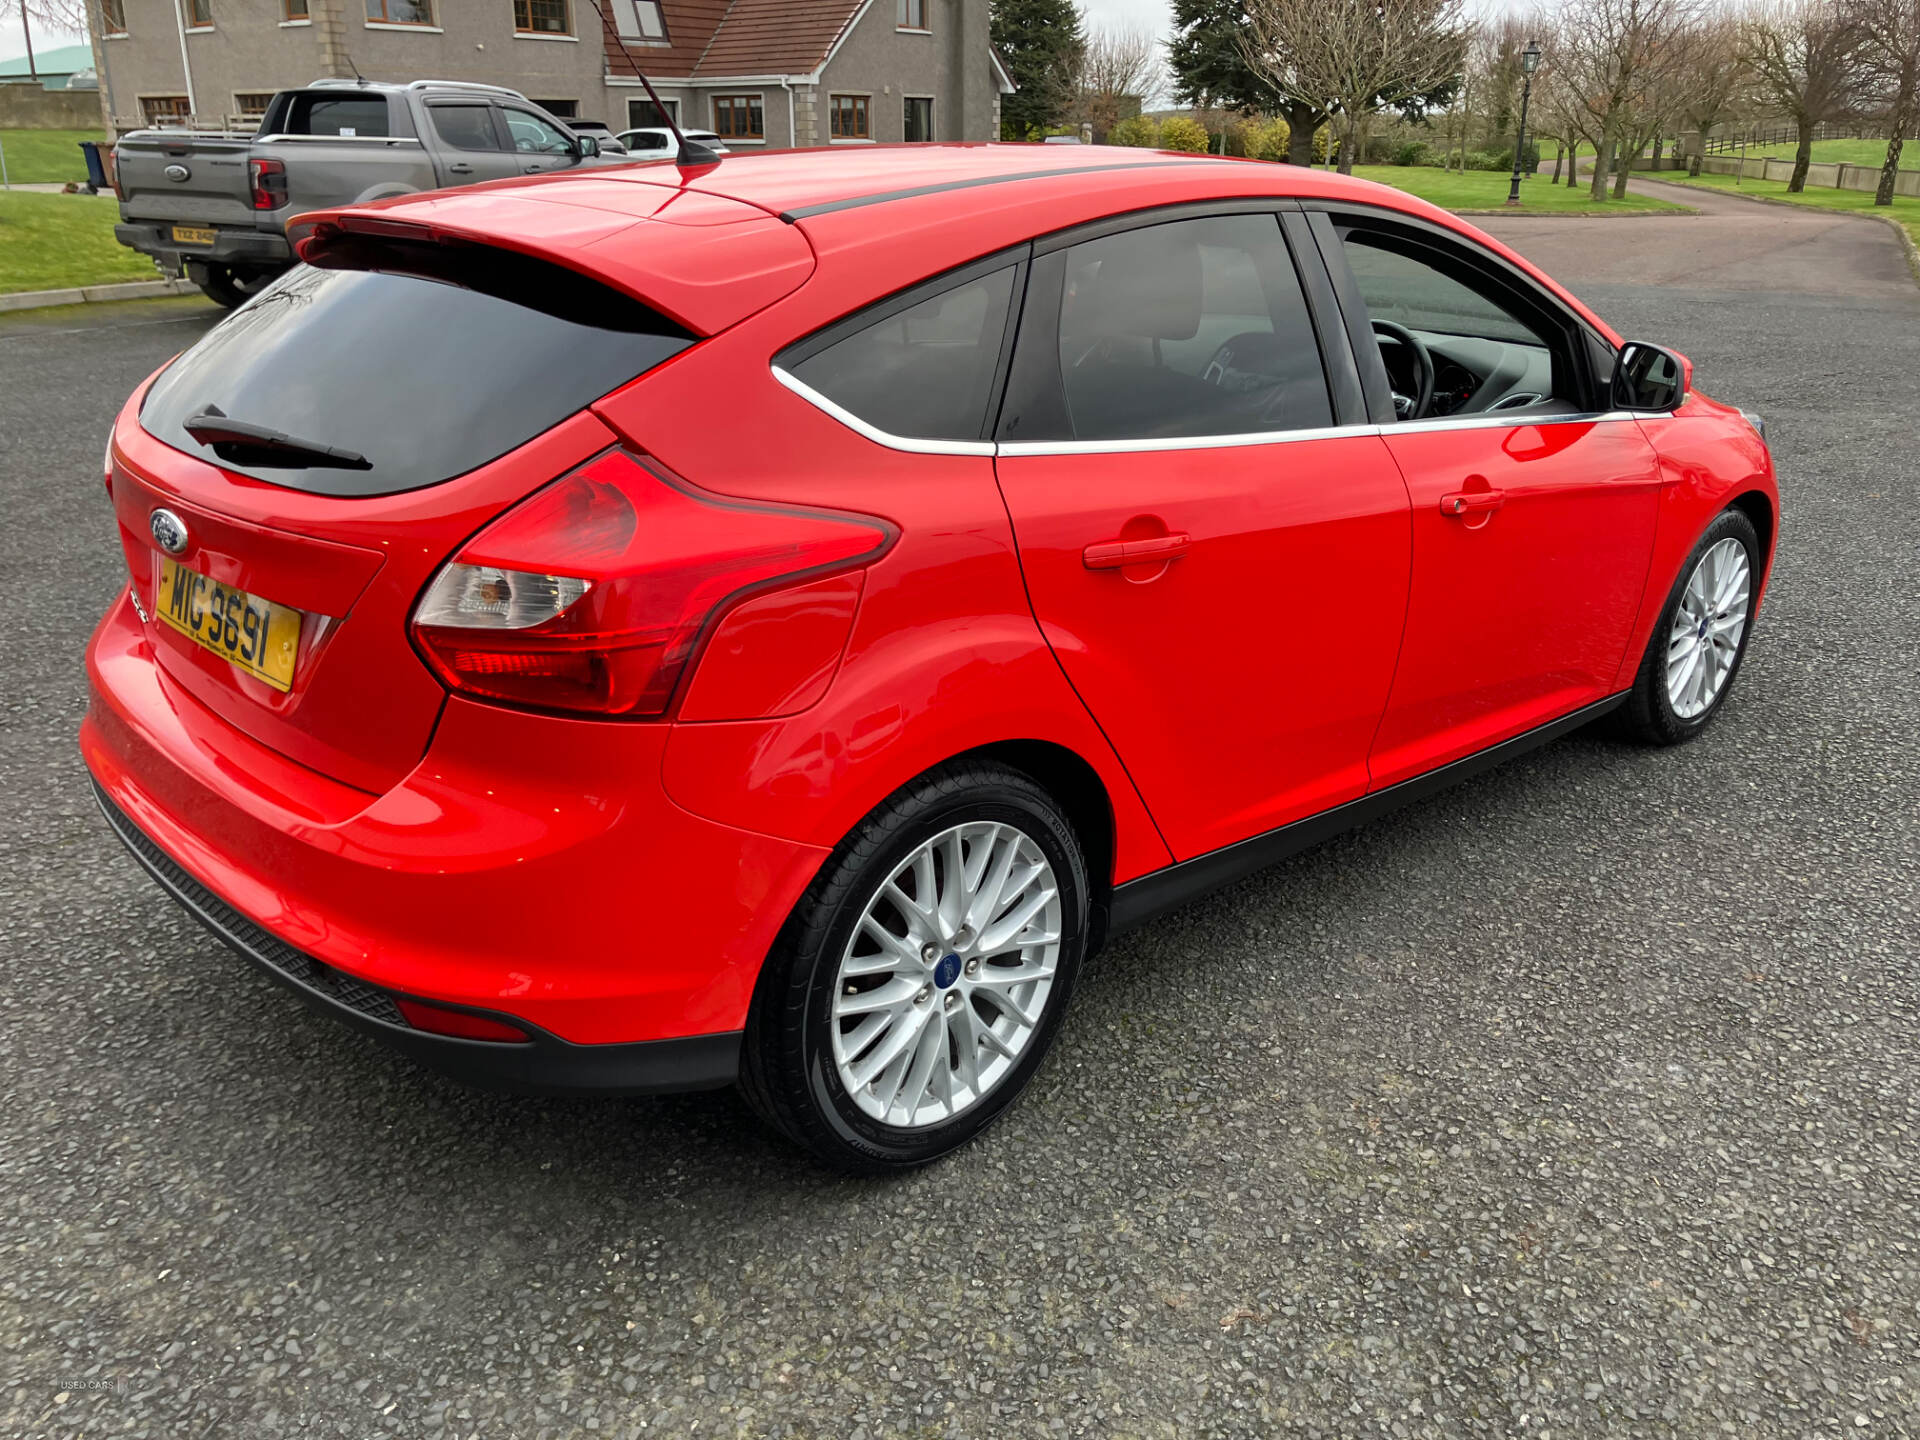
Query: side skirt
[1140, 900]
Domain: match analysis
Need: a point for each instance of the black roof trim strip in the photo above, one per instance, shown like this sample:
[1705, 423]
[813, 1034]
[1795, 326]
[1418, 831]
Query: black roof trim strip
[807, 212]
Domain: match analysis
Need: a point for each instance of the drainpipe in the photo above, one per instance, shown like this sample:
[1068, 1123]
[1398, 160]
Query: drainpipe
[793, 139]
[186, 65]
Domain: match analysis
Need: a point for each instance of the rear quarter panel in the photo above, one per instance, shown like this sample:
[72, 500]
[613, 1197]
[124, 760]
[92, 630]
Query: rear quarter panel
[322, 173]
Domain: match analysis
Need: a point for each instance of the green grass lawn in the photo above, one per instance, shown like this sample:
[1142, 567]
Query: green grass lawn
[1487, 190]
[46, 157]
[1905, 208]
[1842, 152]
[52, 242]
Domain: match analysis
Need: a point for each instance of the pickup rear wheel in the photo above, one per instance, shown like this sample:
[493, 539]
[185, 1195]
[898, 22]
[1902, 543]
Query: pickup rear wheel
[229, 286]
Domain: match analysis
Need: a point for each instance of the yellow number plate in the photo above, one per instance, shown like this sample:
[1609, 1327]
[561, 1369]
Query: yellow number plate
[194, 235]
[257, 635]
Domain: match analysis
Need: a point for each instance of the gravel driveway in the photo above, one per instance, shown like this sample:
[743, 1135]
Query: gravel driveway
[1581, 1101]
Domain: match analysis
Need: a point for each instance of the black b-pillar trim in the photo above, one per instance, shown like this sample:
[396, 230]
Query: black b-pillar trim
[1140, 900]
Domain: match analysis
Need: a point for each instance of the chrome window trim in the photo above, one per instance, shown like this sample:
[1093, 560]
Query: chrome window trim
[874, 433]
[1015, 448]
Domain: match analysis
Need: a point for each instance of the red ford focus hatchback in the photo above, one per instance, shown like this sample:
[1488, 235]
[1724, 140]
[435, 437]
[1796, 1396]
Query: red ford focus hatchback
[770, 622]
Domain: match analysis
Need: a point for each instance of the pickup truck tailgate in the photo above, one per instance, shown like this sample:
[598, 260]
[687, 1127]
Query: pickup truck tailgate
[195, 179]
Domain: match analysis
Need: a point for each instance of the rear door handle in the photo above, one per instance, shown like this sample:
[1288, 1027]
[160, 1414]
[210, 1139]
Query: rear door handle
[1472, 502]
[1112, 554]
[461, 169]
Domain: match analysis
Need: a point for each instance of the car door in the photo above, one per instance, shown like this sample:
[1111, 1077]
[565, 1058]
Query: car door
[1219, 566]
[1533, 508]
[539, 144]
[472, 137]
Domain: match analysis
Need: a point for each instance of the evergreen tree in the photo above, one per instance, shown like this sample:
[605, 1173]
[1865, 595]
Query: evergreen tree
[1208, 65]
[1041, 43]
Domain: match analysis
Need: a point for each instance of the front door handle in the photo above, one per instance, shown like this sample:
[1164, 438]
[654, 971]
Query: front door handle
[1156, 549]
[1472, 502]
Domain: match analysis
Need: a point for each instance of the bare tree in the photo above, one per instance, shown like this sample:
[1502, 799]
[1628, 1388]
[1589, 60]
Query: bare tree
[1116, 66]
[1805, 59]
[1719, 84]
[1353, 58]
[63, 15]
[1620, 60]
[1889, 32]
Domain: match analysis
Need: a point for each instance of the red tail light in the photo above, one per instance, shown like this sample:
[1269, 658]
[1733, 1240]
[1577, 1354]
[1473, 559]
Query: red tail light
[268, 180]
[592, 595]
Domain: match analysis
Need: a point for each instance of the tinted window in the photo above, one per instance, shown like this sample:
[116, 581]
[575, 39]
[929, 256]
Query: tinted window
[925, 371]
[466, 127]
[1413, 293]
[338, 115]
[1196, 327]
[428, 361]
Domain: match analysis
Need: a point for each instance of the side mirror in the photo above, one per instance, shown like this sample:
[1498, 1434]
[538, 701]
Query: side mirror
[1650, 378]
[585, 145]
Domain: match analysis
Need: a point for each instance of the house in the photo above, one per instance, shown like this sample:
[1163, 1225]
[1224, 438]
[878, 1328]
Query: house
[758, 72]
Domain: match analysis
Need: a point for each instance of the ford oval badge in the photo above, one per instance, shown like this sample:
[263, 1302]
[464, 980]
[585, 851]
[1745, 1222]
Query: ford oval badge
[169, 531]
[178, 173]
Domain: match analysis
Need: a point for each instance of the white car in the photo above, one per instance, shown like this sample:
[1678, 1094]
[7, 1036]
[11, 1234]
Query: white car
[651, 141]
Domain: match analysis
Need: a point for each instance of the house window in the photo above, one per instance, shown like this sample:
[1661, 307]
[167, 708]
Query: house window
[400, 12]
[252, 103]
[542, 17]
[114, 14]
[639, 20]
[296, 10]
[739, 117]
[919, 117]
[913, 15]
[645, 115]
[848, 118]
[165, 109]
[560, 109]
[199, 14]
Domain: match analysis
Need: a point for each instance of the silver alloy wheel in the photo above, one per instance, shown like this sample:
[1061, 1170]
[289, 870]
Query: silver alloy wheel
[1705, 638]
[945, 980]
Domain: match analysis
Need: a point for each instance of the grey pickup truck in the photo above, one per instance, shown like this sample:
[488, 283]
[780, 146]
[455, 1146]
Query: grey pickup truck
[215, 207]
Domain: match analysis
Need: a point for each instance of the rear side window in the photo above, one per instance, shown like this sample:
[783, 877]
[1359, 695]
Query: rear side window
[465, 127]
[425, 360]
[923, 370]
[338, 115]
[1188, 328]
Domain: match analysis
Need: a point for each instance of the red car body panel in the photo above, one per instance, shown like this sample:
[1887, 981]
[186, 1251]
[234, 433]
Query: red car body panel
[1319, 640]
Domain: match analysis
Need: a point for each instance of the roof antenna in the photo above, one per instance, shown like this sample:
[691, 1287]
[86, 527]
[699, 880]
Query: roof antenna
[359, 79]
[689, 154]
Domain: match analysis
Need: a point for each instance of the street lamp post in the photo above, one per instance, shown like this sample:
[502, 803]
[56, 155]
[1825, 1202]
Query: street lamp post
[1529, 62]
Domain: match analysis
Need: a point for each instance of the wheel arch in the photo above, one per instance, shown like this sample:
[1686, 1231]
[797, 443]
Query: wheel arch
[1758, 508]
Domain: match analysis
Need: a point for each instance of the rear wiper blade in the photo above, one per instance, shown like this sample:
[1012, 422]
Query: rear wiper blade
[240, 442]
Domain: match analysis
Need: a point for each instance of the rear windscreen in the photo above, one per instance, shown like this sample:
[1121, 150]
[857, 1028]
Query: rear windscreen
[323, 114]
[425, 360]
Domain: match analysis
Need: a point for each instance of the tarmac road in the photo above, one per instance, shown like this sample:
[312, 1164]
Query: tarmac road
[1581, 1101]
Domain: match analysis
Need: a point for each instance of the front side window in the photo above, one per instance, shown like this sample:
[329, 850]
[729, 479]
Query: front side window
[849, 118]
[739, 117]
[1479, 354]
[542, 17]
[465, 127]
[924, 371]
[530, 133]
[1190, 328]
[639, 20]
[400, 12]
[199, 14]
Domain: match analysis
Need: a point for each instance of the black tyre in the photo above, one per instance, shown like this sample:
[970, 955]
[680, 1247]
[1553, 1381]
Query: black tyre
[920, 981]
[228, 287]
[1694, 653]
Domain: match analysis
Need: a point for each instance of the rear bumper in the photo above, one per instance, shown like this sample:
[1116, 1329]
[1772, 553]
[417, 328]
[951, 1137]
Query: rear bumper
[545, 1065]
[530, 869]
[261, 248]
